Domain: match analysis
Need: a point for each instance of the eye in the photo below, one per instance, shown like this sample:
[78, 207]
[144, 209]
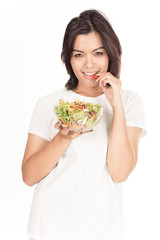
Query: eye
[98, 53]
[78, 55]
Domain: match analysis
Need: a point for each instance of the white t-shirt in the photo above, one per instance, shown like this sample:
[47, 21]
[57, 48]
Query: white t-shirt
[78, 200]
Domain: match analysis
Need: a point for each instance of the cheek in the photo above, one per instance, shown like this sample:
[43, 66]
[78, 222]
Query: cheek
[105, 64]
[75, 65]
[74, 68]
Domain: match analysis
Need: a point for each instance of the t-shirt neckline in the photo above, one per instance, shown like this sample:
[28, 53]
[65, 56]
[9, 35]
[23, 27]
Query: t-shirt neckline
[82, 96]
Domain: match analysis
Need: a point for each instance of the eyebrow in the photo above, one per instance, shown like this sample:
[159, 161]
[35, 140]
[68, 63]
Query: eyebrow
[75, 50]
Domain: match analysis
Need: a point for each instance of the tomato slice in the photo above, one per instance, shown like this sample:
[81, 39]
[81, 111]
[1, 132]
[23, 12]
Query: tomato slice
[95, 77]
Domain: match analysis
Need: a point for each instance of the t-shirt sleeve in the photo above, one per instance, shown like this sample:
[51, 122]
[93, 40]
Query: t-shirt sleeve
[39, 124]
[135, 115]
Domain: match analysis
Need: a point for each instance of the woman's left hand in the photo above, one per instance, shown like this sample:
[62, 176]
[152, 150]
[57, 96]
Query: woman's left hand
[113, 92]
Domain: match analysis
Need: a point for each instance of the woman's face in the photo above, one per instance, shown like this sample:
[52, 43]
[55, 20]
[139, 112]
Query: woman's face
[88, 58]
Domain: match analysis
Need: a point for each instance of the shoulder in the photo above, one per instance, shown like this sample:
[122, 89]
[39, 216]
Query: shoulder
[45, 104]
[52, 98]
[54, 95]
[130, 97]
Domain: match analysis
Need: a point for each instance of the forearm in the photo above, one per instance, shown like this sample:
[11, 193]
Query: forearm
[43, 162]
[120, 154]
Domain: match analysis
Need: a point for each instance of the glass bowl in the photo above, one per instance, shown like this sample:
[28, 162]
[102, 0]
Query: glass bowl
[78, 115]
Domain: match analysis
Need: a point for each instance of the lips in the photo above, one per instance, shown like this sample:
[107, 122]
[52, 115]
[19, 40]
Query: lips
[90, 74]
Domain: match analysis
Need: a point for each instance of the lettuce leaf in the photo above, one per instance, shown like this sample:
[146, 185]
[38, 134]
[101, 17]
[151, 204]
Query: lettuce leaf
[75, 112]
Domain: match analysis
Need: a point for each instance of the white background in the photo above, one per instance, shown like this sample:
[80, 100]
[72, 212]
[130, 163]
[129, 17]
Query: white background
[31, 34]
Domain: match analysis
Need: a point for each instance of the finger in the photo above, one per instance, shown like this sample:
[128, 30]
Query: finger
[98, 79]
[116, 80]
[99, 75]
[57, 124]
[105, 82]
[109, 81]
[84, 132]
[72, 134]
[65, 131]
[88, 131]
[107, 75]
[101, 78]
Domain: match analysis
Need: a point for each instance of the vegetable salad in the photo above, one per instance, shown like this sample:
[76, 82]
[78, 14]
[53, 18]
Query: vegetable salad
[78, 114]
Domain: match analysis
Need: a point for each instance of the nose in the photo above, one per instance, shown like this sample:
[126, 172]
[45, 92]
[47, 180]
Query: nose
[89, 61]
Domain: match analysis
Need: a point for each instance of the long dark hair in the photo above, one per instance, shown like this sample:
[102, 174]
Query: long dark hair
[91, 21]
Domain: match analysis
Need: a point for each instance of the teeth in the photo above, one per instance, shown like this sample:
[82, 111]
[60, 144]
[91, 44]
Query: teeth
[90, 74]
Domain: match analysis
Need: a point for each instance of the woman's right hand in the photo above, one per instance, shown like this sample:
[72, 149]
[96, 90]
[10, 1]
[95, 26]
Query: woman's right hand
[66, 132]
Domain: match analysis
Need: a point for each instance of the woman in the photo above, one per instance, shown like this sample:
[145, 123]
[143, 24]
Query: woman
[79, 175]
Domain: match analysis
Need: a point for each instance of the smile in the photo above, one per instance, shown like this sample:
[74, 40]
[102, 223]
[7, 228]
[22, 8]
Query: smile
[90, 74]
